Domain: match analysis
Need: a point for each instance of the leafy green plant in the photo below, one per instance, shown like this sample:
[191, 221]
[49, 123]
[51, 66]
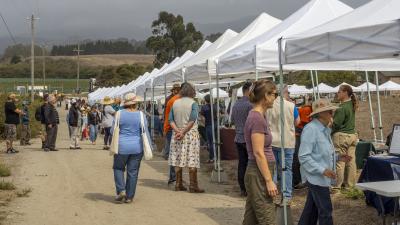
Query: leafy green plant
[4, 171]
[4, 185]
[353, 193]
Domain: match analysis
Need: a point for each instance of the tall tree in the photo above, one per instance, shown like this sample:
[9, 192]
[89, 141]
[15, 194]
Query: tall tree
[172, 37]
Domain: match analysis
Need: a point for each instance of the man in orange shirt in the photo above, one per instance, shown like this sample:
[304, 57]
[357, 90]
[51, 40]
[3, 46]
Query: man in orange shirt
[169, 102]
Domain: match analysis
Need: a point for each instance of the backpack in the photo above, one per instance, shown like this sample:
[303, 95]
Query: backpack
[38, 113]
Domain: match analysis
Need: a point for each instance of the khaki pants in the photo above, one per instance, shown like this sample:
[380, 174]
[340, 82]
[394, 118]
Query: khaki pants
[346, 172]
[260, 208]
[25, 134]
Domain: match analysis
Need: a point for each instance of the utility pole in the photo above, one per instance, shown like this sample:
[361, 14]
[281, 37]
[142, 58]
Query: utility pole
[78, 51]
[44, 67]
[32, 20]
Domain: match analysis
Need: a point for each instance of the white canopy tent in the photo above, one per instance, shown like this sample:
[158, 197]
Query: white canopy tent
[324, 89]
[295, 89]
[389, 86]
[222, 93]
[344, 83]
[364, 87]
[261, 53]
[364, 39]
[206, 65]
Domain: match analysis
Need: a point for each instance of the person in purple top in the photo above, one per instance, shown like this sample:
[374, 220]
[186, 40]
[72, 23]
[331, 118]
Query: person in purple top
[240, 111]
[260, 187]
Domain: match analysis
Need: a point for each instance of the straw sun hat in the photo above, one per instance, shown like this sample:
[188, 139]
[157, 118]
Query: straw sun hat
[175, 86]
[107, 101]
[322, 105]
[131, 99]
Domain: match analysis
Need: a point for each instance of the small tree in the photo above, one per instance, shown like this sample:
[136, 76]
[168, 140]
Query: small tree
[15, 59]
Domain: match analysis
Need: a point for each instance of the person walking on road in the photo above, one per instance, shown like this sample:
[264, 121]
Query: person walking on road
[40, 111]
[261, 188]
[94, 121]
[25, 128]
[130, 149]
[240, 111]
[12, 120]
[51, 120]
[73, 117]
[185, 144]
[345, 137]
[107, 121]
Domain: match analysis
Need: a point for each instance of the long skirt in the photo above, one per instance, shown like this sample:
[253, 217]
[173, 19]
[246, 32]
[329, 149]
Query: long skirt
[185, 152]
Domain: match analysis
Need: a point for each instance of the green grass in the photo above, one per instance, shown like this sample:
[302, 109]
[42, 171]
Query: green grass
[62, 85]
[353, 193]
[4, 185]
[4, 171]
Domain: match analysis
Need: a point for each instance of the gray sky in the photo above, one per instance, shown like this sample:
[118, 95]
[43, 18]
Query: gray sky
[98, 19]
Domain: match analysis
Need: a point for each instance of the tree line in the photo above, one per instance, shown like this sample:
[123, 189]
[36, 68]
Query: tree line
[102, 47]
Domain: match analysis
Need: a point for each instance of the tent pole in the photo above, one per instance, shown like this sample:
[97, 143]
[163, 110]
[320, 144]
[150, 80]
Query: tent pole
[165, 92]
[255, 61]
[152, 112]
[218, 131]
[183, 75]
[282, 124]
[379, 105]
[212, 117]
[370, 106]
[316, 80]
[312, 83]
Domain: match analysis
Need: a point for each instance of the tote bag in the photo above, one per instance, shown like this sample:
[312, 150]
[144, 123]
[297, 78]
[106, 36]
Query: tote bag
[115, 138]
[147, 151]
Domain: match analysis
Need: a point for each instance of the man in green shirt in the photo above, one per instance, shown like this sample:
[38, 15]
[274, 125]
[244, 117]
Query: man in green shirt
[344, 137]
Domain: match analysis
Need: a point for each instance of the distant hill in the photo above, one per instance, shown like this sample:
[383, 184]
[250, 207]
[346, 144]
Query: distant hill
[110, 60]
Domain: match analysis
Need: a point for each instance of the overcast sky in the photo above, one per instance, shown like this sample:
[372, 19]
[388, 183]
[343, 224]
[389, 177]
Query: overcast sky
[132, 18]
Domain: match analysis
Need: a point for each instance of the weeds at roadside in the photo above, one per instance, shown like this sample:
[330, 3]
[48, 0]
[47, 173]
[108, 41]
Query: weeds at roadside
[4, 171]
[4, 185]
[353, 193]
[24, 192]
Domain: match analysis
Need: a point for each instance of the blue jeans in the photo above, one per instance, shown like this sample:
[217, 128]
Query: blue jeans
[210, 143]
[168, 137]
[92, 132]
[289, 152]
[132, 164]
[318, 207]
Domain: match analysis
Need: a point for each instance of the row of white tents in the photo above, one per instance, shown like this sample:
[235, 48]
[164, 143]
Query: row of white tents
[326, 89]
[322, 35]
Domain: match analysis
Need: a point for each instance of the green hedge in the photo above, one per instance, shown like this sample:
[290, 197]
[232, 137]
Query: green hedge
[35, 125]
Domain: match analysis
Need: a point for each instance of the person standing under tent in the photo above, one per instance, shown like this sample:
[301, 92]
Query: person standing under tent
[240, 111]
[167, 128]
[304, 114]
[94, 121]
[107, 120]
[117, 104]
[344, 136]
[185, 145]
[51, 120]
[73, 119]
[25, 129]
[261, 189]
[43, 133]
[317, 164]
[291, 119]
[67, 103]
[206, 113]
[130, 149]
[11, 122]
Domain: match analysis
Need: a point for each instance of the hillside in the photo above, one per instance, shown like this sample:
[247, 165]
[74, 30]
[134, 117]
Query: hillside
[109, 60]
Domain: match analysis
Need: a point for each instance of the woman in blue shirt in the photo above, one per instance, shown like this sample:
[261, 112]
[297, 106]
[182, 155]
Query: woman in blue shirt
[130, 149]
[317, 164]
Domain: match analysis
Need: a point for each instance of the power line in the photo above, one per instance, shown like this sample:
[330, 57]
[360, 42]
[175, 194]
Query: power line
[8, 29]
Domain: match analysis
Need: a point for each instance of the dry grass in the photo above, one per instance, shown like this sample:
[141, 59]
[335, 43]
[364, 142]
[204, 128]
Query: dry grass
[5, 185]
[111, 59]
[4, 171]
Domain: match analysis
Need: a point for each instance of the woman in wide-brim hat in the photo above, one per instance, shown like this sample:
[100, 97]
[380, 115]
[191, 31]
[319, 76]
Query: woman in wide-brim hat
[107, 120]
[318, 164]
[130, 148]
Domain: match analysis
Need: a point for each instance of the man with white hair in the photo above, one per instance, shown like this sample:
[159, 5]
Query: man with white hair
[51, 120]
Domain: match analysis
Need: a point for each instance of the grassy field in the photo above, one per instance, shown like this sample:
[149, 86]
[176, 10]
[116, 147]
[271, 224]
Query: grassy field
[111, 59]
[62, 85]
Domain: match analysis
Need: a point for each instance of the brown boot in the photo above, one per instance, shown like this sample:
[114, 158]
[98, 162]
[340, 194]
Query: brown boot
[179, 182]
[194, 185]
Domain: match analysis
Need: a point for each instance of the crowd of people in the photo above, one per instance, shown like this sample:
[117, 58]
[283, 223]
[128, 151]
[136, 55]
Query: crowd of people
[318, 146]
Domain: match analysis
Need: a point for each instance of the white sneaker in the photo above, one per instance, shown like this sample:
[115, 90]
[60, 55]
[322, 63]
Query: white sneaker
[120, 197]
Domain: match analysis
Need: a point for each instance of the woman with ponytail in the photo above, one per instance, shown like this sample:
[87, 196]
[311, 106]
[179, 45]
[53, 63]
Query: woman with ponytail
[345, 137]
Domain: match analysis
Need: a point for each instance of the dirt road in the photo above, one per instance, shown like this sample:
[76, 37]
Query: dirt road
[77, 187]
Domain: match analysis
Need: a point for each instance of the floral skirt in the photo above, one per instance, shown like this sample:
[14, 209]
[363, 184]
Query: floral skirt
[185, 152]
